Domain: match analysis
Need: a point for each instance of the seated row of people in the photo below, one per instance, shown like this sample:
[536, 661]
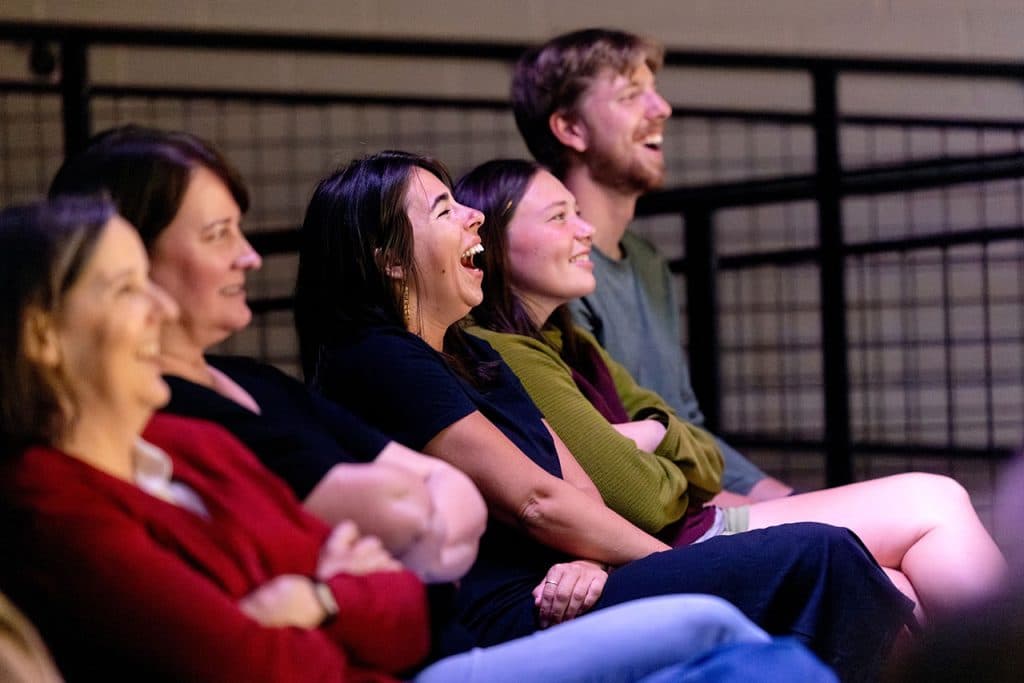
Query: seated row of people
[110, 326]
[158, 548]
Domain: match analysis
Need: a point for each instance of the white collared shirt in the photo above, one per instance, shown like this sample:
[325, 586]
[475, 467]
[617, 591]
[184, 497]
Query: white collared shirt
[152, 470]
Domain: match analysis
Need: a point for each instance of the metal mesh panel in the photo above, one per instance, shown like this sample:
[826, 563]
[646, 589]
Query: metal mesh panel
[770, 352]
[703, 150]
[936, 354]
[31, 144]
[934, 307]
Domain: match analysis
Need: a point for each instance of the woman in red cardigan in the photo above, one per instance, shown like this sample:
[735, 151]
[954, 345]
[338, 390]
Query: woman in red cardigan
[170, 555]
[158, 548]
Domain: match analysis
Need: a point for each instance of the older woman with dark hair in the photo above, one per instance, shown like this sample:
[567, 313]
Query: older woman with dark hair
[157, 548]
[187, 202]
[919, 527]
[387, 268]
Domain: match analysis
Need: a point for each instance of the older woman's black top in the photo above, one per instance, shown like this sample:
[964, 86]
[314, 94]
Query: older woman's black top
[298, 435]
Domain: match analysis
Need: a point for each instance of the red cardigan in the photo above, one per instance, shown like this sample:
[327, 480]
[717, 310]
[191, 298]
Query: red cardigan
[124, 585]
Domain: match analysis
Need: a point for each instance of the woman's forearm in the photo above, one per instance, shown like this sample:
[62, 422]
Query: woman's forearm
[519, 492]
[384, 501]
[565, 518]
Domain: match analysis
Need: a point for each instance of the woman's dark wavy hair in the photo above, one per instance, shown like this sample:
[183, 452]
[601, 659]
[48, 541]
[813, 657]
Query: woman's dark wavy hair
[146, 172]
[496, 188]
[356, 228]
[44, 247]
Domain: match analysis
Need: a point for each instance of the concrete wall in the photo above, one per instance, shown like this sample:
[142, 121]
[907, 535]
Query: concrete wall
[942, 28]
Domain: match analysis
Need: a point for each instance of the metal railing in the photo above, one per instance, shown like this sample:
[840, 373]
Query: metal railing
[829, 185]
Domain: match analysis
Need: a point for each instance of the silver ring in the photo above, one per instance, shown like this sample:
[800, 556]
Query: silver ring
[553, 583]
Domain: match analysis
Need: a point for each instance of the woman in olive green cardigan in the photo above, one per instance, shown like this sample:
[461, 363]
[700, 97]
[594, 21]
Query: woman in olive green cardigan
[651, 487]
[921, 528]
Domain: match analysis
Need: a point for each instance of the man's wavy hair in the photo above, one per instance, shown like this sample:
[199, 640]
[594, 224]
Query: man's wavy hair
[552, 77]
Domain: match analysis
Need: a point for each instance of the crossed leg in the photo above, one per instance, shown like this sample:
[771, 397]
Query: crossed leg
[921, 528]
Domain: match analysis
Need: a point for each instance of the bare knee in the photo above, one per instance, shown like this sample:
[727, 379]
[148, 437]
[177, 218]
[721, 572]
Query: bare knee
[932, 496]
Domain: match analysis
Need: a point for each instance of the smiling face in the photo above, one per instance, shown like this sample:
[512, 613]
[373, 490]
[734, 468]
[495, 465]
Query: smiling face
[548, 248]
[202, 258]
[445, 240]
[621, 120]
[107, 330]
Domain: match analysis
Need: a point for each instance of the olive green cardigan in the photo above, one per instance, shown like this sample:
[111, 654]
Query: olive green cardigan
[650, 490]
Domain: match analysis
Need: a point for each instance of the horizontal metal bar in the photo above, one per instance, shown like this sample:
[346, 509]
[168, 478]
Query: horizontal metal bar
[880, 64]
[809, 255]
[720, 195]
[261, 41]
[931, 173]
[298, 97]
[488, 50]
[1015, 125]
[887, 179]
[758, 115]
[501, 104]
[940, 241]
[37, 87]
[274, 241]
[271, 304]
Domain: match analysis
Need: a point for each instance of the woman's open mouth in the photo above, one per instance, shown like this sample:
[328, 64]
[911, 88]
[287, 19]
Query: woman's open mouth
[470, 258]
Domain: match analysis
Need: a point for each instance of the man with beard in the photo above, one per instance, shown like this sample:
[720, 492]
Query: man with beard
[587, 107]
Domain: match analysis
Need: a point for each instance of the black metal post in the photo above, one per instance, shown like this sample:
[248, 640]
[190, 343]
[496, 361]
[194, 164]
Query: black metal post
[838, 448]
[702, 313]
[74, 94]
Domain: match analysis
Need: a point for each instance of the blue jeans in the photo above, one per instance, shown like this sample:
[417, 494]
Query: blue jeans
[783, 660]
[651, 640]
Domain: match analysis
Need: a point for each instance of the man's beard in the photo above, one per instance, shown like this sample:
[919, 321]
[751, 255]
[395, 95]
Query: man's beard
[630, 177]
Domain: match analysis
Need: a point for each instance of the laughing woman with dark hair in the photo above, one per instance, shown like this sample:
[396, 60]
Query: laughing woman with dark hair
[386, 271]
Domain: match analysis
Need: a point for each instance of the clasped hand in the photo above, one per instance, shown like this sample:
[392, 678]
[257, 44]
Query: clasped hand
[568, 590]
[290, 599]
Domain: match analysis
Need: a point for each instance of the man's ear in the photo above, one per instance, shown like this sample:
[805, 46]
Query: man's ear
[569, 130]
[39, 335]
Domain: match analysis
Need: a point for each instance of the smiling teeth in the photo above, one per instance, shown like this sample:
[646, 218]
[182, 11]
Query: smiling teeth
[579, 257]
[473, 251]
[467, 256]
[654, 140]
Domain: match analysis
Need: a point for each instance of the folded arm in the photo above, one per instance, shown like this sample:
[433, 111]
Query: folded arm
[646, 486]
[165, 610]
[426, 513]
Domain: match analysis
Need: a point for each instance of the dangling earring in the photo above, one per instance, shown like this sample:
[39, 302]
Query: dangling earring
[405, 304]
